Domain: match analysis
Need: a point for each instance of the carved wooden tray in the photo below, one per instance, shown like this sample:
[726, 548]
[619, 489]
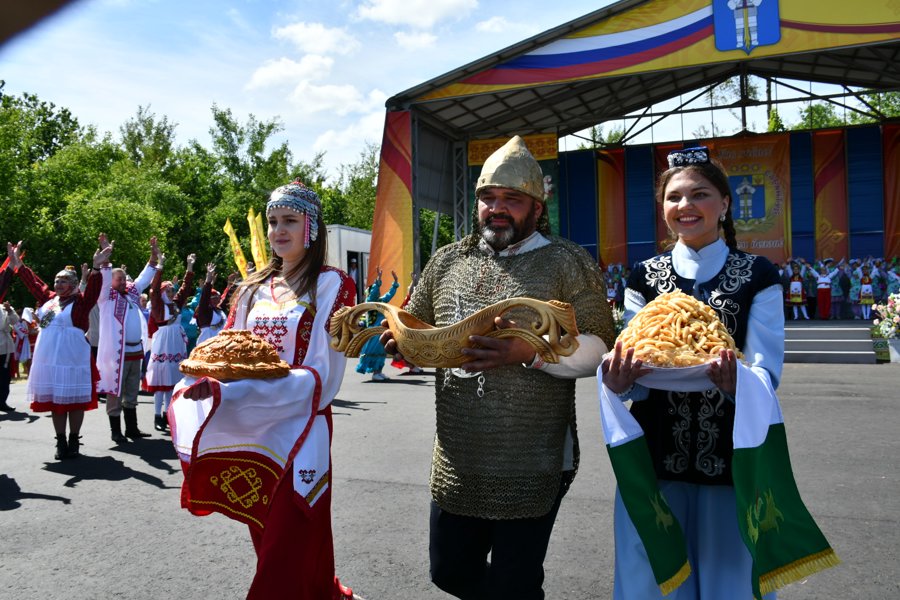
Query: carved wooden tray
[427, 346]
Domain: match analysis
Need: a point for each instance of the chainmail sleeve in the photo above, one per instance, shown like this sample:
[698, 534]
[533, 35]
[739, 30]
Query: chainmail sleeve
[421, 303]
[587, 293]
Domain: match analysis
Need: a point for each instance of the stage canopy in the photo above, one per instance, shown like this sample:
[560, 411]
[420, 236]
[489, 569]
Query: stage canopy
[637, 53]
[625, 58]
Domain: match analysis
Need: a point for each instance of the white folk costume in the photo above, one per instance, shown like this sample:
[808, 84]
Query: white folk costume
[60, 379]
[115, 310]
[168, 344]
[210, 319]
[259, 451]
[237, 446]
[23, 348]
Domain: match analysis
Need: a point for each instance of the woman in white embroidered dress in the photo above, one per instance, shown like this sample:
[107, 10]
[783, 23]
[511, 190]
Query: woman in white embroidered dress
[61, 380]
[278, 428]
[208, 315]
[168, 344]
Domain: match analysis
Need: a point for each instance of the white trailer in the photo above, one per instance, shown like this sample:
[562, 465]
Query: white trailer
[347, 245]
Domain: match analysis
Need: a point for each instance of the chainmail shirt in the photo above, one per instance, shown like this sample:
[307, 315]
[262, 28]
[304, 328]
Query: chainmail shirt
[500, 439]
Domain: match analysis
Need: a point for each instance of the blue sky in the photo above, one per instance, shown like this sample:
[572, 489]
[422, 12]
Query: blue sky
[323, 68]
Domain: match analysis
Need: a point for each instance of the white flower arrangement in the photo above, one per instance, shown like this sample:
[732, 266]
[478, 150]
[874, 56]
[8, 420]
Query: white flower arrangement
[888, 325]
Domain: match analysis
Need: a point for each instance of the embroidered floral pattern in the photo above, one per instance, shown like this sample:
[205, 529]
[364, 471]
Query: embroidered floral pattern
[307, 476]
[679, 406]
[273, 329]
[736, 273]
[50, 310]
[176, 357]
[707, 439]
[660, 275]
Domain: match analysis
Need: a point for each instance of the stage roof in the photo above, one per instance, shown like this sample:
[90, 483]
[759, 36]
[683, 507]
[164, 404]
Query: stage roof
[637, 53]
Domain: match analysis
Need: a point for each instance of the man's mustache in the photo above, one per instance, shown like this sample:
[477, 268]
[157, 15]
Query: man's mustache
[509, 220]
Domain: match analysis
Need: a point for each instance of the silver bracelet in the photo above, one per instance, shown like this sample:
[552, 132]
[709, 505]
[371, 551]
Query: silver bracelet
[626, 392]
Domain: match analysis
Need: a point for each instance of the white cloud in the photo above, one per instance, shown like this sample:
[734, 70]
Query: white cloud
[416, 13]
[287, 72]
[415, 40]
[502, 25]
[339, 100]
[343, 146]
[315, 38]
[493, 25]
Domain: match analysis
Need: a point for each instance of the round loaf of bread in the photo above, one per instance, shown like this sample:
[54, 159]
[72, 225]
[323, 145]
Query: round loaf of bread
[235, 354]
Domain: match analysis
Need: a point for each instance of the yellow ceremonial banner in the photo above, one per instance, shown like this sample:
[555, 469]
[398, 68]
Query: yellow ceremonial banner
[239, 259]
[257, 249]
[759, 172]
[261, 232]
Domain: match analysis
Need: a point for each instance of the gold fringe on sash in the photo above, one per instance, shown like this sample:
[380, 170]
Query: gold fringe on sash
[789, 573]
[671, 584]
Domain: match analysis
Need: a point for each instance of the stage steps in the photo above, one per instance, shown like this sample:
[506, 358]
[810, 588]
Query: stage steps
[843, 342]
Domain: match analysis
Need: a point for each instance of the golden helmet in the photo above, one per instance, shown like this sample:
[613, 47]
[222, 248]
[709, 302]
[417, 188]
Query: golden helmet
[512, 166]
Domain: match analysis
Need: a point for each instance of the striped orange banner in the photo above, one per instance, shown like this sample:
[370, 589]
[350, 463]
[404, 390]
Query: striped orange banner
[891, 140]
[830, 189]
[392, 228]
[611, 203]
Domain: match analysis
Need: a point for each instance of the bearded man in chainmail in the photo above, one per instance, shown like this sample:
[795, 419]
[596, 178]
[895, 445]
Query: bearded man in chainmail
[506, 448]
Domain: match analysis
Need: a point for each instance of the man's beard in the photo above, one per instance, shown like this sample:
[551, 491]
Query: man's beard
[504, 237]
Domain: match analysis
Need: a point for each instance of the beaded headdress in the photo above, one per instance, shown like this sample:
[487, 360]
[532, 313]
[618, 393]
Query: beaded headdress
[297, 197]
[688, 156]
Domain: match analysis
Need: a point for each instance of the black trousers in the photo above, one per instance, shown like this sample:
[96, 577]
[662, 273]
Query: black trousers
[459, 548]
[4, 377]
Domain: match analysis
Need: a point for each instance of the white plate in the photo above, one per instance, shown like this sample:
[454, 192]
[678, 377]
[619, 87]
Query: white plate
[678, 379]
[674, 379]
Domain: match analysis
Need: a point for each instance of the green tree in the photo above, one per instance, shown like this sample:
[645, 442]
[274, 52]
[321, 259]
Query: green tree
[885, 103]
[598, 138]
[819, 115]
[242, 154]
[775, 122]
[148, 141]
[426, 233]
[357, 184]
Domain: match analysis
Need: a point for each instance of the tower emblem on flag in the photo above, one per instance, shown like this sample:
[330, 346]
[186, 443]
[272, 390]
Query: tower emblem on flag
[746, 24]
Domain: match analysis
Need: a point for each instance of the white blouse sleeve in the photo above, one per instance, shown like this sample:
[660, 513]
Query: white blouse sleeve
[764, 346]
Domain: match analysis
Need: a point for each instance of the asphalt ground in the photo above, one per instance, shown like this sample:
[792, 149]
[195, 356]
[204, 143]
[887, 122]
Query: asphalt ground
[109, 525]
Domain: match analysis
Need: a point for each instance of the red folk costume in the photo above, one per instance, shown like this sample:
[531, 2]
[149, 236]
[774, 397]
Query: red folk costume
[259, 451]
[62, 376]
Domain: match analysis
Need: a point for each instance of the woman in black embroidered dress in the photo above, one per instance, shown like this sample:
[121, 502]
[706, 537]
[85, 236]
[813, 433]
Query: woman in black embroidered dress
[689, 434]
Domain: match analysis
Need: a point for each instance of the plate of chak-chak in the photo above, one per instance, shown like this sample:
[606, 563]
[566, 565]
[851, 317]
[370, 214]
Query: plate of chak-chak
[676, 337]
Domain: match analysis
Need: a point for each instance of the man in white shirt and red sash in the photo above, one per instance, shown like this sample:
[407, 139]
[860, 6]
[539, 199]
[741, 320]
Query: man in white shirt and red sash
[121, 350]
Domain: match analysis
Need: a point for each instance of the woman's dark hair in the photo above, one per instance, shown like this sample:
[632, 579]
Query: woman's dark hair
[713, 172]
[302, 278]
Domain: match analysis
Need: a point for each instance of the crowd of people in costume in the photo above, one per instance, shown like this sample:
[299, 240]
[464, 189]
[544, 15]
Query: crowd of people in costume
[93, 339]
[506, 447]
[823, 289]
